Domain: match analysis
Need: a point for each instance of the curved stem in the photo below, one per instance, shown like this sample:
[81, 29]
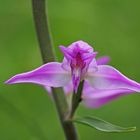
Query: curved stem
[47, 53]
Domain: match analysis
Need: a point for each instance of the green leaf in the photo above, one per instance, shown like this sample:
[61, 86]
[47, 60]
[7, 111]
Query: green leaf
[102, 125]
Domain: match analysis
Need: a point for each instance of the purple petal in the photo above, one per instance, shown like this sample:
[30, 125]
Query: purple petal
[103, 60]
[92, 66]
[76, 77]
[51, 74]
[82, 45]
[68, 53]
[94, 98]
[107, 77]
[49, 89]
[66, 65]
[68, 89]
[74, 48]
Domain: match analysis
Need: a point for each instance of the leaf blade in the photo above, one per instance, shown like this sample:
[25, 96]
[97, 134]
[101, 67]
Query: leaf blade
[102, 125]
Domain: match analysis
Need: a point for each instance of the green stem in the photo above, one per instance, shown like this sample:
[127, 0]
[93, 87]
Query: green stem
[47, 53]
[62, 108]
[76, 99]
[42, 30]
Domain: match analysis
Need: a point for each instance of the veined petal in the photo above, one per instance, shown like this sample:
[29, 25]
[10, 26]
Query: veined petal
[67, 52]
[82, 45]
[94, 98]
[50, 74]
[103, 60]
[76, 77]
[107, 77]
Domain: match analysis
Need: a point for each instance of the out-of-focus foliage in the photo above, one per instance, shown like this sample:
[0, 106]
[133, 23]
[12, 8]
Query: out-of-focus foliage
[111, 26]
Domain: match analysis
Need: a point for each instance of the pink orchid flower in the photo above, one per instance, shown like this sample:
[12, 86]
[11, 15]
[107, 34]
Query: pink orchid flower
[103, 83]
[68, 89]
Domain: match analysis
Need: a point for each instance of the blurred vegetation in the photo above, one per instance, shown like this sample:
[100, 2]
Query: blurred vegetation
[111, 26]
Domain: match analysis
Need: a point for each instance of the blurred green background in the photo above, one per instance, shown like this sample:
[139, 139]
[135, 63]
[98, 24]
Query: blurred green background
[111, 26]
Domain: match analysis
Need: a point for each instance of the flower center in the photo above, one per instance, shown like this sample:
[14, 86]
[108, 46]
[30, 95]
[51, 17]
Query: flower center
[77, 62]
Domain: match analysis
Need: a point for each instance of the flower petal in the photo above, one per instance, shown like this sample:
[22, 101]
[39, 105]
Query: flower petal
[50, 74]
[68, 89]
[103, 60]
[66, 65]
[107, 77]
[49, 89]
[94, 98]
[92, 66]
[78, 46]
[68, 53]
[83, 46]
